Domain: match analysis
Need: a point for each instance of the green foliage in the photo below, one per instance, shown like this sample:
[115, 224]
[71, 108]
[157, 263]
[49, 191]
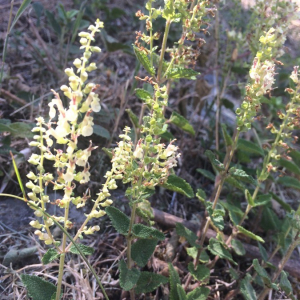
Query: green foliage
[181, 293]
[178, 72]
[217, 248]
[247, 288]
[200, 293]
[84, 249]
[145, 232]
[226, 136]
[285, 284]
[38, 288]
[17, 129]
[49, 256]
[290, 182]
[250, 147]
[179, 185]
[263, 252]
[187, 234]
[290, 166]
[144, 60]
[207, 174]
[263, 274]
[119, 220]
[142, 250]
[182, 123]
[101, 131]
[249, 234]
[216, 215]
[262, 200]
[174, 281]
[128, 278]
[201, 273]
[149, 281]
[249, 198]
[133, 118]
[238, 247]
[143, 95]
[241, 175]
[215, 163]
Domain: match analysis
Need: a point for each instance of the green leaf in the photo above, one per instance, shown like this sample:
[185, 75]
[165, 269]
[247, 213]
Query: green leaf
[235, 213]
[50, 255]
[144, 60]
[178, 72]
[207, 174]
[249, 198]
[174, 280]
[216, 248]
[226, 136]
[193, 251]
[264, 275]
[238, 247]
[145, 232]
[18, 129]
[250, 147]
[149, 282]
[133, 118]
[128, 278]
[101, 131]
[108, 152]
[235, 183]
[182, 123]
[289, 181]
[201, 273]
[200, 293]
[247, 289]
[215, 163]
[242, 175]
[284, 205]
[285, 284]
[179, 185]
[201, 195]
[187, 234]
[145, 211]
[53, 23]
[119, 220]
[290, 166]
[20, 11]
[143, 95]
[249, 234]
[216, 214]
[84, 249]
[38, 288]
[263, 252]
[262, 200]
[181, 292]
[142, 250]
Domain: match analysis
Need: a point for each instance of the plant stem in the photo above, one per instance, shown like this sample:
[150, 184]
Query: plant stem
[163, 50]
[129, 239]
[281, 265]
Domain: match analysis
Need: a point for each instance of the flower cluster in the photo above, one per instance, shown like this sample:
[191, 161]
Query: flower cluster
[65, 126]
[290, 121]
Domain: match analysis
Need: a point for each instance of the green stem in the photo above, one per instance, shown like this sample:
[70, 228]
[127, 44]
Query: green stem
[163, 50]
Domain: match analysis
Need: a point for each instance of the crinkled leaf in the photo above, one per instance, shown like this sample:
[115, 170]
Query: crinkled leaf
[247, 289]
[187, 234]
[149, 282]
[216, 248]
[235, 213]
[145, 232]
[86, 250]
[201, 195]
[235, 183]
[227, 137]
[193, 251]
[263, 252]
[249, 234]
[50, 255]
[181, 122]
[290, 166]
[249, 198]
[142, 250]
[143, 95]
[181, 292]
[250, 147]
[200, 293]
[145, 211]
[118, 219]
[215, 163]
[216, 214]
[178, 72]
[128, 278]
[289, 181]
[179, 185]
[263, 274]
[133, 118]
[270, 220]
[238, 247]
[262, 200]
[174, 280]
[144, 60]
[285, 284]
[201, 273]
[38, 288]
[207, 174]
[242, 175]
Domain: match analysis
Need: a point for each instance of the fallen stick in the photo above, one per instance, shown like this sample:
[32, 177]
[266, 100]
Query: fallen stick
[169, 221]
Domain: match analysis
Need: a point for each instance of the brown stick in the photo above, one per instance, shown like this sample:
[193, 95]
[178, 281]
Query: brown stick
[12, 97]
[169, 221]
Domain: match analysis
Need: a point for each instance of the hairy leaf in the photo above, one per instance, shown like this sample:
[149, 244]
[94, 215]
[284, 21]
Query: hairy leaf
[101, 131]
[145, 232]
[262, 200]
[128, 278]
[263, 252]
[50, 255]
[178, 72]
[238, 247]
[290, 166]
[200, 293]
[118, 219]
[179, 185]
[263, 274]
[144, 60]
[86, 250]
[249, 198]
[143, 95]
[227, 137]
[242, 175]
[215, 163]
[207, 174]
[216, 248]
[285, 284]
[142, 250]
[182, 123]
[250, 147]
[289, 181]
[249, 234]
[37, 287]
[247, 289]
[133, 118]
[174, 280]
[201, 273]
[181, 292]
[187, 234]
[149, 282]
